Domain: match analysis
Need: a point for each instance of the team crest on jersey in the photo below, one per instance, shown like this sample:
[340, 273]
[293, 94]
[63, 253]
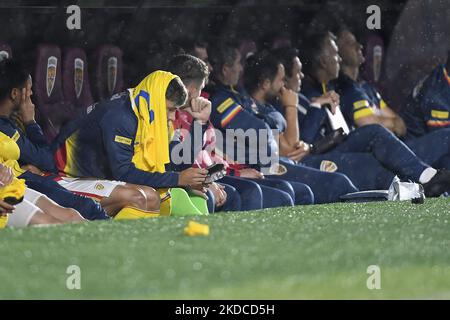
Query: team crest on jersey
[4, 55]
[52, 64]
[112, 74]
[328, 166]
[99, 186]
[78, 76]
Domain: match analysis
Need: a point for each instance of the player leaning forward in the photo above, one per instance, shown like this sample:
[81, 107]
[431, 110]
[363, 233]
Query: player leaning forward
[127, 138]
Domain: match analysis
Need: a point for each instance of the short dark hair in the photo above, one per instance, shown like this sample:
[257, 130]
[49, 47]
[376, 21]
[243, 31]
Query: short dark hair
[341, 28]
[177, 92]
[12, 75]
[188, 68]
[190, 48]
[312, 49]
[225, 53]
[187, 45]
[286, 56]
[258, 68]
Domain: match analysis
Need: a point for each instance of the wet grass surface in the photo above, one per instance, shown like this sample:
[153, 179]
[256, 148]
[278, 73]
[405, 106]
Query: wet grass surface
[289, 253]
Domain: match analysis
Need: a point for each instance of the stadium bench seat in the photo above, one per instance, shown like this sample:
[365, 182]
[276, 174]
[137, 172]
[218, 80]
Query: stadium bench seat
[107, 78]
[374, 52]
[51, 110]
[75, 79]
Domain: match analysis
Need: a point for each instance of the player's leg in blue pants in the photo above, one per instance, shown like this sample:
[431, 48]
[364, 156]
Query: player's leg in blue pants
[87, 207]
[255, 196]
[211, 202]
[303, 193]
[274, 198]
[249, 192]
[233, 202]
[443, 163]
[327, 187]
[384, 146]
[363, 169]
[432, 147]
[299, 192]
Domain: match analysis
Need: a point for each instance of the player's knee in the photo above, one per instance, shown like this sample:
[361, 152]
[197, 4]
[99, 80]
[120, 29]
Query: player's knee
[153, 200]
[304, 195]
[136, 198]
[379, 130]
[286, 187]
[252, 197]
[233, 202]
[73, 215]
[286, 199]
[342, 184]
[254, 191]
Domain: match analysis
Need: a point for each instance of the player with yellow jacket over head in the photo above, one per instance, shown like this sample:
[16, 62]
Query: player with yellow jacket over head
[127, 138]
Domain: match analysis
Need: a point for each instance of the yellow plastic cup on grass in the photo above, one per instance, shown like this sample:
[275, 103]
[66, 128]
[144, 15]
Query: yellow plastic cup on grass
[196, 229]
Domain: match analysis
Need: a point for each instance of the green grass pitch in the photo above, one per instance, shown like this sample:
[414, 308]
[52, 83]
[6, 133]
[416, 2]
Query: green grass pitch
[305, 252]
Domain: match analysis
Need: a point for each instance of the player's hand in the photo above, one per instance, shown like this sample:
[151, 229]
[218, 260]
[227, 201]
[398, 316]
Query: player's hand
[219, 193]
[199, 192]
[200, 109]
[193, 178]
[302, 149]
[251, 174]
[288, 98]
[32, 169]
[5, 208]
[26, 108]
[6, 175]
[331, 98]
[399, 127]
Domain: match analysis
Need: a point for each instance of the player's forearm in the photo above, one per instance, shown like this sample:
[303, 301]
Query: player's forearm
[400, 127]
[152, 179]
[292, 134]
[284, 146]
[388, 123]
[35, 134]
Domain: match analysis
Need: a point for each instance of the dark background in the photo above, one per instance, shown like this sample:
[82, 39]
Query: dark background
[144, 29]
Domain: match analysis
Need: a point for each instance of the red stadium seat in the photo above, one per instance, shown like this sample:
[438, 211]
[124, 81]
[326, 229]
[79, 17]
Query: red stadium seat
[51, 110]
[75, 78]
[374, 54]
[107, 78]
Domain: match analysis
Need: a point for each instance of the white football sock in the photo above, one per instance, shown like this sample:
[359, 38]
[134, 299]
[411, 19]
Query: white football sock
[427, 175]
